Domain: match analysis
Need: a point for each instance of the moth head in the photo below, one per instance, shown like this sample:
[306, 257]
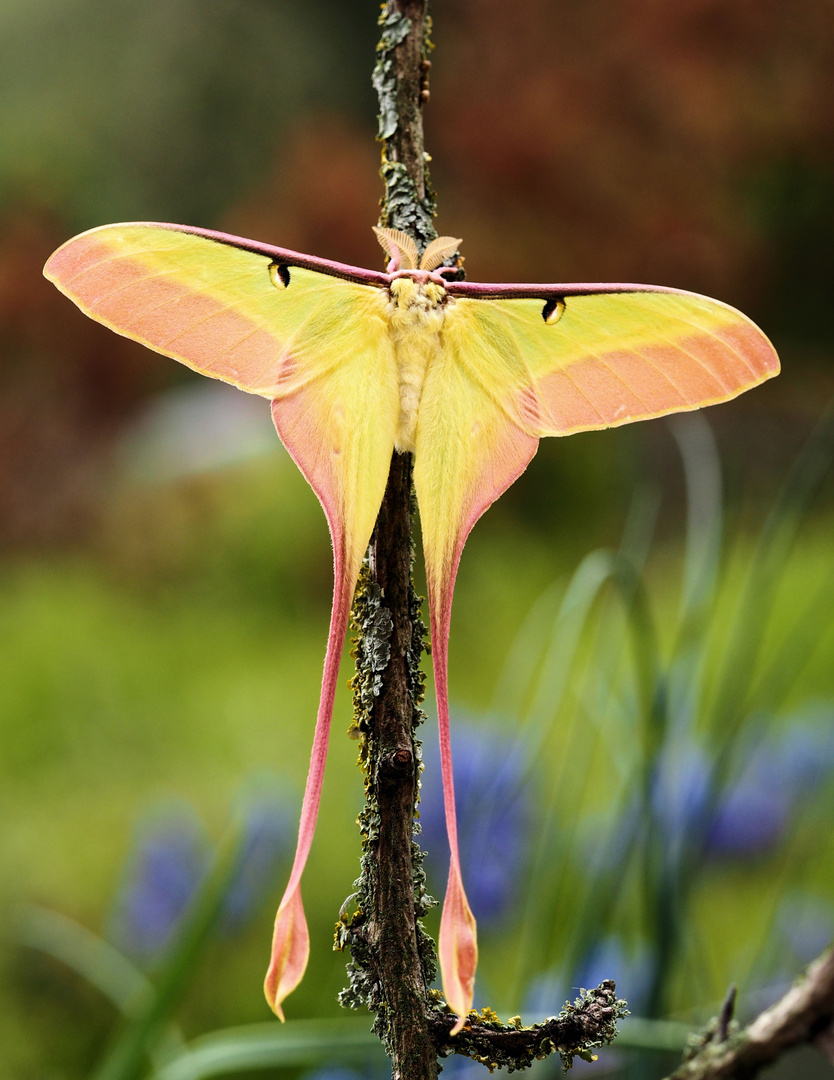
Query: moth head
[403, 254]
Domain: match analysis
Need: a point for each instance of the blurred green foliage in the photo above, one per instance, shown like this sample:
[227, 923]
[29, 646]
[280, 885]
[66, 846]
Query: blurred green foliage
[181, 661]
[166, 109]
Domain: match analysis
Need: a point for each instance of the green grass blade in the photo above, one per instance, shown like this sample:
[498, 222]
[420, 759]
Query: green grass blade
[798, 647]
[589, 578]
[702, 563]
[127, 1057]
[525, 657]
[704, 511]
[86, 953]
[102, 965]
[772, 549]
[299, 1043]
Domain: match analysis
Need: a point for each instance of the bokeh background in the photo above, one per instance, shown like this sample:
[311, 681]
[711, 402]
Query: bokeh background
[646, 797]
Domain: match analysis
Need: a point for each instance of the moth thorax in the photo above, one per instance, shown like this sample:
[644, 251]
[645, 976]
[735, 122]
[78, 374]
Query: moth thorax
[410, 295]
[416, 318]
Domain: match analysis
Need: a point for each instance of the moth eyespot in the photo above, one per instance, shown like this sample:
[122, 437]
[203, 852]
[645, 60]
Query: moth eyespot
[553, 311]
[279, 275]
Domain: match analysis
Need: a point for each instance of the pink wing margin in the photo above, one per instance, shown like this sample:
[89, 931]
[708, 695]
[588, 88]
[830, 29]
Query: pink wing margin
[202, 329]
[290, 938]
[275, 254]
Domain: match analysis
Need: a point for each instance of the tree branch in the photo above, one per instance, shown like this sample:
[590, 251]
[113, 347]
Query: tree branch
[804, 1014]
[392, 959]
[581, 1027]
[401, 82]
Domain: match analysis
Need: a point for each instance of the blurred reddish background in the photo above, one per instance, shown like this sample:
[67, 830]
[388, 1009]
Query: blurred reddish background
[688, 143]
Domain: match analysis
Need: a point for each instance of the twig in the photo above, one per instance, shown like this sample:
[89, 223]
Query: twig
[581, 1027]
[392, 959]
[726, 1015]
[400, 80]
[804, 1014]
[392, 963]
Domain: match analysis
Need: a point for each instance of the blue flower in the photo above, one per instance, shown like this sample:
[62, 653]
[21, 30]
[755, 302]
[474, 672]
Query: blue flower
[269, 831]
[493, 800]
[607, 958]
[169, 858]
[754, 813]
[680, 793]
[751, 813]
[171, 854]
[781, 771]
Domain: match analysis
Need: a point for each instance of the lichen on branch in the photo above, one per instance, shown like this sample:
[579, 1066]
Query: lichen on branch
[393, 961]
[399, 79]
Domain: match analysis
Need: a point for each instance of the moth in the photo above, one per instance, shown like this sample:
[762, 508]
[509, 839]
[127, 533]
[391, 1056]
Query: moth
[358, 364]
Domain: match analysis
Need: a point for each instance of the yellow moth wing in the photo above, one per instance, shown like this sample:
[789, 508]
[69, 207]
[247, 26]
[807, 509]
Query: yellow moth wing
[612, 358]
[217, 307]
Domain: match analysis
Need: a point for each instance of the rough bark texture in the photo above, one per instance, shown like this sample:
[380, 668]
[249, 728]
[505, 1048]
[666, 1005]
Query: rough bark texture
[392, 959]
[396, 869]
[395, 777]
[580, 1028]
[401, 82]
